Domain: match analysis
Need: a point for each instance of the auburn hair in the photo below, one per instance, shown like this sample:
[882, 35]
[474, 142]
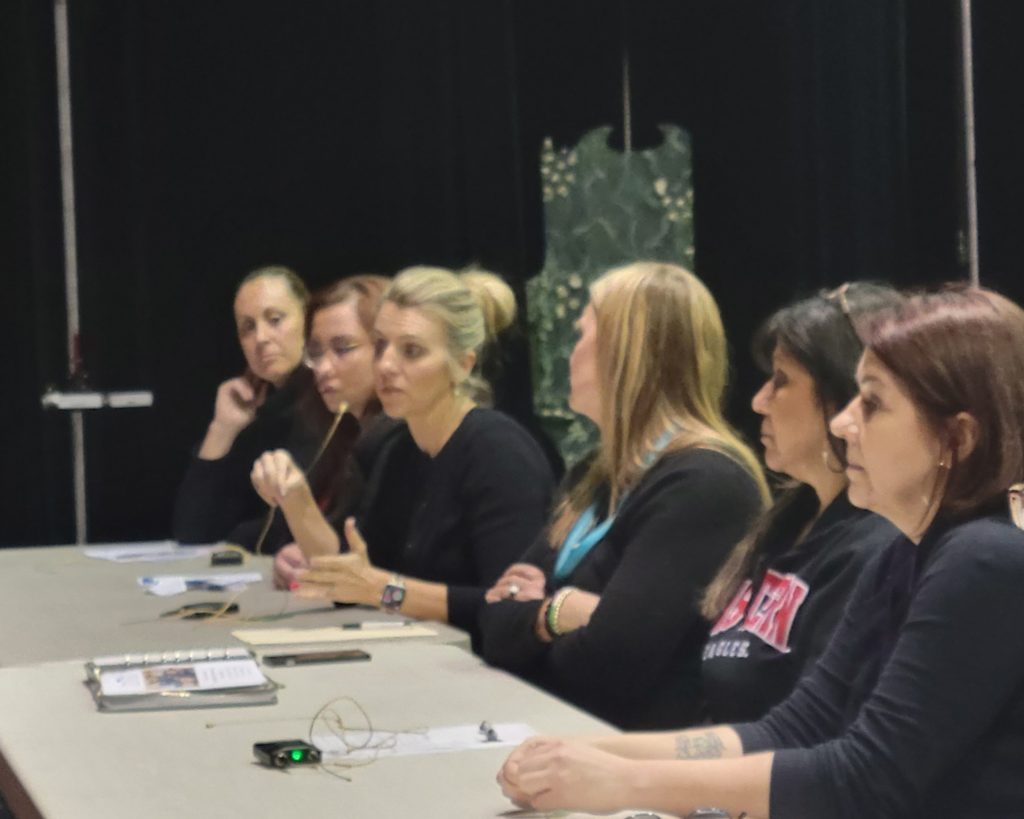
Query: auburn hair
[962, 350]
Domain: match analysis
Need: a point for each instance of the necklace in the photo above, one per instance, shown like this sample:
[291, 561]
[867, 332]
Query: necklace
[586, 532]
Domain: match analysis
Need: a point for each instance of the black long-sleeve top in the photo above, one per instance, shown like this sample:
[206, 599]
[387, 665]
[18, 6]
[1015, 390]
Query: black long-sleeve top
[637, 662]
[216, 497]
[462, 517]
[780, 621]
[917, 707]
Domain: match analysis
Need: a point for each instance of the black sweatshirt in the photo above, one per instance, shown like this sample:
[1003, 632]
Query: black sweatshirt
[766, 639]
[917, 707]
[637, 663]
[462, 517]
[216, 496]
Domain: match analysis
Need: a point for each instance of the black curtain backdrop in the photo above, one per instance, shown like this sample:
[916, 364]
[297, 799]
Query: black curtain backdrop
[347, 137]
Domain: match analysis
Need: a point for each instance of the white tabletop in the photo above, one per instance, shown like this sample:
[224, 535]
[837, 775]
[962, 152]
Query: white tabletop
[56, 603]
[60, 757]
[74, 761]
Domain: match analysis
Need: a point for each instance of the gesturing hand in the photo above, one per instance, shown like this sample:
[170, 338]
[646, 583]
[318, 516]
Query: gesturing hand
[521, 581]
[346, 578]
[277, 478]
[289, 565]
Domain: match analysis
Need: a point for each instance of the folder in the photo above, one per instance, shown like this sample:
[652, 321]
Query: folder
[194, 678]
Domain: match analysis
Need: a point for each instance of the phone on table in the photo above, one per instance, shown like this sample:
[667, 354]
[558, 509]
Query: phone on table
[312, 657]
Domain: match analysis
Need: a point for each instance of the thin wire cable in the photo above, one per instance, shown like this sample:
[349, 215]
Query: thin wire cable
[374, 740]
[269, 521]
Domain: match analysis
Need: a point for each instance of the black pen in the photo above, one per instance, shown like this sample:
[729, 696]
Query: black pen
[372, 624]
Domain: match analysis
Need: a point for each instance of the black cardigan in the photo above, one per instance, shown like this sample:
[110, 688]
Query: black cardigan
[637, 663]
[217, 496]
[461, 517]
[917, 707]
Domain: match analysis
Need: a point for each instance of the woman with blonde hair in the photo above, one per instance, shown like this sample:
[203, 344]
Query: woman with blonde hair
[604, 609]
[448, 509]
[917, 706]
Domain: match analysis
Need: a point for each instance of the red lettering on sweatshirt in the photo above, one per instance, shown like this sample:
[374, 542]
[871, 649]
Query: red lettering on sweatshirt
[770, 615]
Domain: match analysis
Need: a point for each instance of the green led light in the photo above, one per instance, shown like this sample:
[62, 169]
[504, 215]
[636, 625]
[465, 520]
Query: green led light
[298, 755]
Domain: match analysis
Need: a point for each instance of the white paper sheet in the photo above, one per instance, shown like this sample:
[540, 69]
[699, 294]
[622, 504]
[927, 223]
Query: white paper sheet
[328, 634]
[164, 585]
[444, 740]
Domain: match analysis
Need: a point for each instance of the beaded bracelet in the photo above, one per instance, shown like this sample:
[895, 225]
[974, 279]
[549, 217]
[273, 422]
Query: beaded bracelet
[554, 607]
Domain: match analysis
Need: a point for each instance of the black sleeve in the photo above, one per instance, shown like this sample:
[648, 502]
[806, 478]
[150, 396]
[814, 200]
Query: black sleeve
[213, 497]
[508, 626]
[507, 494]
[951, 673]
[833, 586]
[677, 530]
[813, 712]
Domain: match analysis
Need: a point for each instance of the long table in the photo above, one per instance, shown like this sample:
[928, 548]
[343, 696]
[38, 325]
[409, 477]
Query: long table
[56, 603]
[63, 758]
[60, 757]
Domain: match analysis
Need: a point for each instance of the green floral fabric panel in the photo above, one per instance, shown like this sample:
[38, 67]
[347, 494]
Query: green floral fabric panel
[602, 208]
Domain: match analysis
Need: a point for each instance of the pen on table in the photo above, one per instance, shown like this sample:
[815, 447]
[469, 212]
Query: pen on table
[369, 624]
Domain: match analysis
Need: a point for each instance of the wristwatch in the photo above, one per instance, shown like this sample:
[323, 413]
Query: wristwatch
[393, 596]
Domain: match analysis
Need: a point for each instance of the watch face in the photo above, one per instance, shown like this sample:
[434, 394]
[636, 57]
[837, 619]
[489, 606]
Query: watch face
[392, 597]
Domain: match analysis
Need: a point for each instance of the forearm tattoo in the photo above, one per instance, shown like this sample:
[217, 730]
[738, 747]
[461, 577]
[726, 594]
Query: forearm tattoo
[700, 746]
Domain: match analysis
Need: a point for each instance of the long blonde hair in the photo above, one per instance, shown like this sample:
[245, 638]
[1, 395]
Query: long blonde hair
[662, 365]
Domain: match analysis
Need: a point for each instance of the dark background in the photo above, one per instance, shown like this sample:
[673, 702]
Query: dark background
[339, 137]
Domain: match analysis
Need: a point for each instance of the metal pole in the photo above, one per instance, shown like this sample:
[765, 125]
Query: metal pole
[970, 171]
[67, 186]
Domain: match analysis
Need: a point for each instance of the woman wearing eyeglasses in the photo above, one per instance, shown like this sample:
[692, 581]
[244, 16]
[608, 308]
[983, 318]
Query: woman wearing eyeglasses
[256, 411]
[917, 706]
[438, 526]
[603, 610]
[779, 597]
[339, 352]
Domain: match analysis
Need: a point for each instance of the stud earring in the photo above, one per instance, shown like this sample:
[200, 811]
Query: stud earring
[1016, 498]
[831, 460]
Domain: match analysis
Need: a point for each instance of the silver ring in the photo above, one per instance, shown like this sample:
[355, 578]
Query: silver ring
[513, 589]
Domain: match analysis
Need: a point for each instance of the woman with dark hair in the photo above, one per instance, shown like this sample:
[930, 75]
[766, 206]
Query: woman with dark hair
[339, 352]
[253, 412]
[780, 595]
[917, 706]
[603, 609]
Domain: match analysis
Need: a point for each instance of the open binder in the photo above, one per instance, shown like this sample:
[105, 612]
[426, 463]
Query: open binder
[203, 678]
